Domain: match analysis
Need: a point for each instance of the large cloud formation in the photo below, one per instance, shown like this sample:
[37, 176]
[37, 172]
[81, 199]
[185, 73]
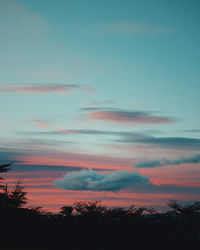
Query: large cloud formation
[164, 162]
[44, 88]
[90, 180]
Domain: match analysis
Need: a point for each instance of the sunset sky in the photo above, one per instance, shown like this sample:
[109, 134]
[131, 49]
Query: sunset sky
[99, 100]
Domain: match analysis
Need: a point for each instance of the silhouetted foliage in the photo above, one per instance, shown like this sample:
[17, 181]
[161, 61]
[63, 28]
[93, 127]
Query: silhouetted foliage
[88, 225]
[66, 210]
[36, 210]
[190, 210]
[5, 167]
[116, 212]
[13, 198]
[88, 208]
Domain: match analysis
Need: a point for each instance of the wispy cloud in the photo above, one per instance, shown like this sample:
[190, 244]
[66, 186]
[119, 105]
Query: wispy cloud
[90, 132]
[98, 104]
[136, 139]
[52, 152]
[150, 188]
[181, 143]
[18, 167]
[90, 180]
[36, 145]
[126, 116]
[88, 88]
[41, 123]
[44, 88]
[164, 162]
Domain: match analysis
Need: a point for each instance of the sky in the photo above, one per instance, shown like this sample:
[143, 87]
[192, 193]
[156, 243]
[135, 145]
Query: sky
[99, 100]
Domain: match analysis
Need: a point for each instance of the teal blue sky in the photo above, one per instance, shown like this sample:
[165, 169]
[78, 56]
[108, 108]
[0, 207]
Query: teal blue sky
[75, 76]
[137, 55]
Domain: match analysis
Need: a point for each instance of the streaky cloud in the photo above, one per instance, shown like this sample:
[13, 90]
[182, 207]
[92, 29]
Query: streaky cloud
[18, 167]
[44, 88]
[86, 132]
[98, 104]
[126, 116]
[150, 188]
[182, 143]
[164, 162]
[90, 180]
[96, 108]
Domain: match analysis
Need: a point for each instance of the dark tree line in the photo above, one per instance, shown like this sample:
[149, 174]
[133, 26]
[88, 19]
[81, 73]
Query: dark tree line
[88, 225]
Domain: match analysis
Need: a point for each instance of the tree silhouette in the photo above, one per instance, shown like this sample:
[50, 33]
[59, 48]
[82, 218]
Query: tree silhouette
[13, 198]
[4, 168]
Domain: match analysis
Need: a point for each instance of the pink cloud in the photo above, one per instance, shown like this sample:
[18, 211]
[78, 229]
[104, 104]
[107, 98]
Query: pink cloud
[128, 117]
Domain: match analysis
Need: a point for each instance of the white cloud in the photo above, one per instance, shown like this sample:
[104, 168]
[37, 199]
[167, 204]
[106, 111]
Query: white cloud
[90, 180]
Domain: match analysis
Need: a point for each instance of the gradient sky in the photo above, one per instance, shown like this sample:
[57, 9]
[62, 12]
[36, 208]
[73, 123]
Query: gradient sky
[100, 100]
